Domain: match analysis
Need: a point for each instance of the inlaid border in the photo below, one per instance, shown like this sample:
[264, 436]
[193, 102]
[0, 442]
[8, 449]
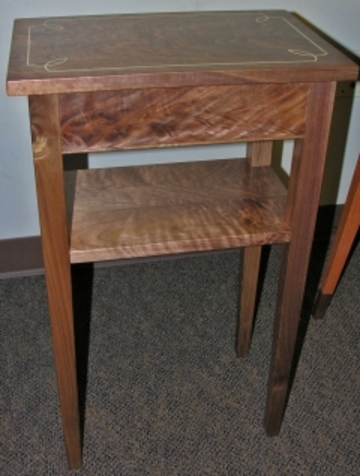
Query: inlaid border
[303, 56]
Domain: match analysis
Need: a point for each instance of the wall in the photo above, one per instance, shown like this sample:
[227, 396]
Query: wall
[18, 209]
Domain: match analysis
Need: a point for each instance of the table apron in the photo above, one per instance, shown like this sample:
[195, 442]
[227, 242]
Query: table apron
[163, 117]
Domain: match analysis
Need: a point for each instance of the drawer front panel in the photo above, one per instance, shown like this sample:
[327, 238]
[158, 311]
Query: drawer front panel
[135, 119]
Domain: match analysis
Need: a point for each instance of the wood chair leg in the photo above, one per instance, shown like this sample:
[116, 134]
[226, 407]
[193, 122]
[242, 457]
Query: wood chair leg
[344, 238]
[55, 241]
[258, 154]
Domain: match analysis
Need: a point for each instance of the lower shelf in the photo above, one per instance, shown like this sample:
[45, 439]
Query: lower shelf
[175, 208]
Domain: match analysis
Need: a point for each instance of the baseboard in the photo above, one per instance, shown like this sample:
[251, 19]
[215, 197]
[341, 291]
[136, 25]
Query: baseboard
[23, 256]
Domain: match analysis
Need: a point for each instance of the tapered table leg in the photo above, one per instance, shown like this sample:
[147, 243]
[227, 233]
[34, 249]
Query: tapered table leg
[345, 236]
[258, 154]
[44, 117]
[303, 198]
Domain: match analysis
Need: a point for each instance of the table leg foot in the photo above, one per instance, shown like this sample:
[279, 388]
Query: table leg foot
[321, 304]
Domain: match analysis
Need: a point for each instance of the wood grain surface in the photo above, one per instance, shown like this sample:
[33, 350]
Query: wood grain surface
[93, 53]
[304, 192]
[258, 154]
[45, 127]
[176, 208]
[171, 117]
[155, 80]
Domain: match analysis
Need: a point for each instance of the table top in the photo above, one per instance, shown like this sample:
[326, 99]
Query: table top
[91, 53]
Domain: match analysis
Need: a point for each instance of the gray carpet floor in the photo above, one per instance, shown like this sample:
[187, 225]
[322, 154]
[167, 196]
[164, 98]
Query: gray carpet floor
[165, 393]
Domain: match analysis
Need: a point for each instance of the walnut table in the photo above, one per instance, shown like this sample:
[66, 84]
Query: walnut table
[120, 82]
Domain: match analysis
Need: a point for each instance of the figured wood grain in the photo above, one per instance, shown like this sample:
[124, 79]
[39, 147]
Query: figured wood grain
[229, 76]
[170, 117]
[92, 53]
[45, 127]
[175, 208]
[304, 191]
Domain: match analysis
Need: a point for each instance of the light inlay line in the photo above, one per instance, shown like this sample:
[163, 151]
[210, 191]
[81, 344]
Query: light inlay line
[50, 66]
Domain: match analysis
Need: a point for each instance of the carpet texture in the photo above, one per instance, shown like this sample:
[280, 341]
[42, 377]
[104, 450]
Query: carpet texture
[165, 393]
